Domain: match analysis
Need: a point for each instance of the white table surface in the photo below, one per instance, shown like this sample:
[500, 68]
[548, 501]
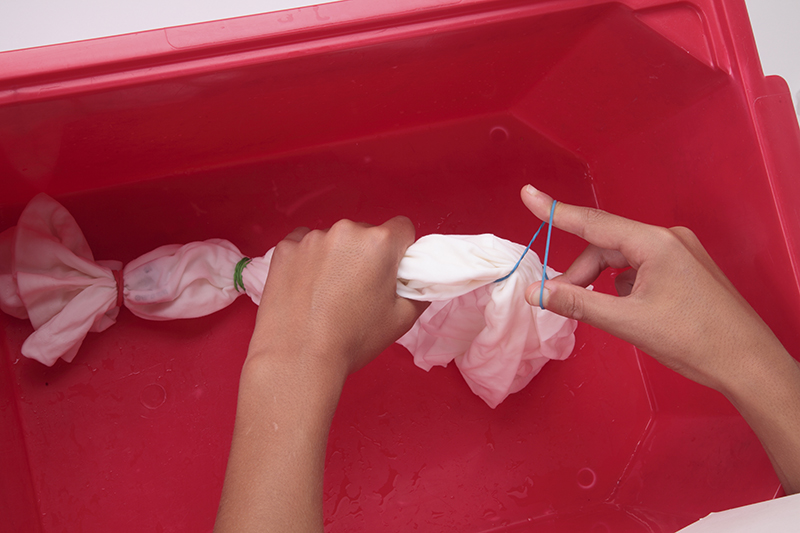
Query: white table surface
[28, 23]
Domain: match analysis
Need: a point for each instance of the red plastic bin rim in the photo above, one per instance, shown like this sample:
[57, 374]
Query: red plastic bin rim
[728, 28]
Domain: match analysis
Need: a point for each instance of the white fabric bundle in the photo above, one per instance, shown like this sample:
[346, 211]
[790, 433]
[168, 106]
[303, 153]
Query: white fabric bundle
[497, 340]
[48, 275]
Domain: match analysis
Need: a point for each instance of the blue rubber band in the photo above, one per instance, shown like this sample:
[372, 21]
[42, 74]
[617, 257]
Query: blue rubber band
[523, 255]
[546, 254]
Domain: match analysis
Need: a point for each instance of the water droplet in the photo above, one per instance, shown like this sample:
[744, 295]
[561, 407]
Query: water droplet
[498, 134]
[489, 439]
[153, 396]
[490, 515]
[587, 478]
[520, 494]
[389, 486]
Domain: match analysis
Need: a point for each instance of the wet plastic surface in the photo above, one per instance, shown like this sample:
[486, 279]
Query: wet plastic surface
[245, 129]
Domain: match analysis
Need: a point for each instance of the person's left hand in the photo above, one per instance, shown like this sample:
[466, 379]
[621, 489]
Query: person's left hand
[331, 294]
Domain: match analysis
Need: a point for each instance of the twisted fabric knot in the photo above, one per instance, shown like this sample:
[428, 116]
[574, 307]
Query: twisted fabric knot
[120, 287]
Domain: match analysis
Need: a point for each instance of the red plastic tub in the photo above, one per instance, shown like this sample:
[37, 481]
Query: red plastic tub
[440, 110]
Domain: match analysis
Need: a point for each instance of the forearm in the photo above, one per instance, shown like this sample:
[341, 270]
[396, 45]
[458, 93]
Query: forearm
[768, 397]
[274, 477]
[329, 307]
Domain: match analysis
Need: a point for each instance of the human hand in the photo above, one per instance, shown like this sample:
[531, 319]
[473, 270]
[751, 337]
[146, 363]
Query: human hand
[678, 306]
[329, 307]
[675, 303]
[331, 294]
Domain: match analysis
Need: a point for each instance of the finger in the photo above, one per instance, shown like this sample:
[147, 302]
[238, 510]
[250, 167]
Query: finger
[593, 225]
[297, 234]
[402, 229]
[600, 310]
[592, 261]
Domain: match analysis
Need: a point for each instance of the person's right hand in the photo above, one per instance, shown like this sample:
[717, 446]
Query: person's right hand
[676, 305]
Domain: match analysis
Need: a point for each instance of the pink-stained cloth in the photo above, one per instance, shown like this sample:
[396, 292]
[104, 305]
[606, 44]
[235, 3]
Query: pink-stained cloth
[498, 341]
[66, 294]
[48, 275]
[10, 302]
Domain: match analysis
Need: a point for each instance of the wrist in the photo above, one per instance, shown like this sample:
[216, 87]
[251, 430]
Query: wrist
[313, 375]
[296, 354]
[283, 415]
[761, 372]
[768, 398]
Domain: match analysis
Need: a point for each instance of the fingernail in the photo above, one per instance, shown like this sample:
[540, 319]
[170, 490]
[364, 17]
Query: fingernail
[531, 190]
[544, 295]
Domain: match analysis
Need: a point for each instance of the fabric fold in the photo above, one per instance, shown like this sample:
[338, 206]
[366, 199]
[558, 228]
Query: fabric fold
[497, 341]
[48, 275]
[190, 281]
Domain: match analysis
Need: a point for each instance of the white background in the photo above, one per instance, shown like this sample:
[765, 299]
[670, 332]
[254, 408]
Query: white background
[27, 23]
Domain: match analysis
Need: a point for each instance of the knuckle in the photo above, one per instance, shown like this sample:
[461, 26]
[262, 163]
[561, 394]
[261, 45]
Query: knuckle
[594, 215]
[686, 235]
[399, 219]
[342, 226]
[342, 234]
[673, 241]
[590, 217]
[573, 306]
[404, 220]
[314, 236]
[664, 236]
[403, 229]
[283, 249]
[381, 234]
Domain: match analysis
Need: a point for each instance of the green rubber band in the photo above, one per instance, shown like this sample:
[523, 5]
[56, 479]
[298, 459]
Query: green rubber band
[237, 273]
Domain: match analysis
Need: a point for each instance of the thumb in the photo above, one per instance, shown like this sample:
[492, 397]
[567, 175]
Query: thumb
[572, 301]
[406, 313]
